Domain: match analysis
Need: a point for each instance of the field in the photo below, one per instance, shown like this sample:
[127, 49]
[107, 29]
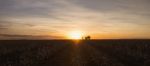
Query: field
[75, 53]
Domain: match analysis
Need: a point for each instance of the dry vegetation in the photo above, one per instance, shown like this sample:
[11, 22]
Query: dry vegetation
[67, 53]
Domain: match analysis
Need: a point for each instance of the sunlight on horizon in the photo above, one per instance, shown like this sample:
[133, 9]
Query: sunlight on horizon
[75, 35]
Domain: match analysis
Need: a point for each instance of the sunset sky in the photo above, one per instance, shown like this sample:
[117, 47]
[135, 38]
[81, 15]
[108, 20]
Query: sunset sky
[54, 19]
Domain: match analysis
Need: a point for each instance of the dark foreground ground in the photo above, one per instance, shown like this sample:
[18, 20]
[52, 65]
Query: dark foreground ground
[75, 53]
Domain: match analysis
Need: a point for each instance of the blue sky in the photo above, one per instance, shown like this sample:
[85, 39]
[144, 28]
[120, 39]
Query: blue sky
[53, 19]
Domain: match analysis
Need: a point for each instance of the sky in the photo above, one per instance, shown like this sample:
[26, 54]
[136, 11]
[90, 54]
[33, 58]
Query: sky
[54, 19]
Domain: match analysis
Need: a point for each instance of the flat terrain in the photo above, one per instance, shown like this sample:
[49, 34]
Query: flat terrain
[75, 53]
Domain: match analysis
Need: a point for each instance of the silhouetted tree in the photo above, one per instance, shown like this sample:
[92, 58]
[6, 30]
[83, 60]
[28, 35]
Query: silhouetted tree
[87, 37]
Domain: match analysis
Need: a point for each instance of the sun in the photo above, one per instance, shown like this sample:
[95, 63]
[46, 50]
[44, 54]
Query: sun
[75, 35]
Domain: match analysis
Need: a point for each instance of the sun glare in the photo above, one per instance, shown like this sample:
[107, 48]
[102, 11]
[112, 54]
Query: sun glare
[75, 35]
